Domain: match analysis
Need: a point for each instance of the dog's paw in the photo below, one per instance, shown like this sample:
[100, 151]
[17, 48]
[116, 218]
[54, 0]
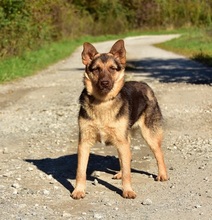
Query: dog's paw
[77, 194]
[162, 177]
[129, 194]
[118, 175]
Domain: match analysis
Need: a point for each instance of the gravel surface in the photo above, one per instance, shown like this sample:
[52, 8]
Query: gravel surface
[39, 132]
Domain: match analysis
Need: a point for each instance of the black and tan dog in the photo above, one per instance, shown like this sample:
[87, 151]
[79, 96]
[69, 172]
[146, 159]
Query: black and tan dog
[110, 107]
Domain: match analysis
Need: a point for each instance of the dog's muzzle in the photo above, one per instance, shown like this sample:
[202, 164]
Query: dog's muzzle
[105, 85]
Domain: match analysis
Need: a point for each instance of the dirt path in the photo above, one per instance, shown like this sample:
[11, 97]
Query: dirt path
[38, 142]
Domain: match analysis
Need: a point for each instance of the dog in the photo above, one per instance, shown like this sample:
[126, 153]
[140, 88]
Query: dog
[110, 107]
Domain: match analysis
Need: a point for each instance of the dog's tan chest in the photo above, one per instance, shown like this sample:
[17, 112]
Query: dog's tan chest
[103, 113]
[104, 121]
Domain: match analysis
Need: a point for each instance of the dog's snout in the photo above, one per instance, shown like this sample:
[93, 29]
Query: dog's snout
[104, 83]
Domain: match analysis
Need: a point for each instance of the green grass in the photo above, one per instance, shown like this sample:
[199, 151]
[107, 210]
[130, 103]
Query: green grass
[195, 44]
[33, 61]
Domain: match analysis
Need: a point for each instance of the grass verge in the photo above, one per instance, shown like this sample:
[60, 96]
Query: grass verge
[33, 61]
[194, 44]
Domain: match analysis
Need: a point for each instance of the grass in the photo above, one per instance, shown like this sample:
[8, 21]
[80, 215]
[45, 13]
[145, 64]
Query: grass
[195, 44]
[33, 61]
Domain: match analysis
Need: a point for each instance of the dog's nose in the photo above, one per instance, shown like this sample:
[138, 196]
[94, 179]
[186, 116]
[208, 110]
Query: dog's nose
[104, 83]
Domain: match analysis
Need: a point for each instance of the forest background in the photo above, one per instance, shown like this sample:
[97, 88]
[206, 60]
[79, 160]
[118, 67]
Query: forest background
[27, 25]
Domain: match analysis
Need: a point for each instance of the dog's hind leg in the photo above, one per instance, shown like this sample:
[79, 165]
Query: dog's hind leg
[154, 137]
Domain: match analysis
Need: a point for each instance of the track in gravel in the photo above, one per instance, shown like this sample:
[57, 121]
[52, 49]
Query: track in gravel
[38, 136]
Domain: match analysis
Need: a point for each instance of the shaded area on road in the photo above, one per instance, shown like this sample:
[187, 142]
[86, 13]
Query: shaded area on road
[171, 70]
[64, 168]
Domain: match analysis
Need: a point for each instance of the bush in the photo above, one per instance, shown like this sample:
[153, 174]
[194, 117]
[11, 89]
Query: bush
[27, 25]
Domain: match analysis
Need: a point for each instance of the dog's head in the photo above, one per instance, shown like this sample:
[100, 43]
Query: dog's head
[104, 73]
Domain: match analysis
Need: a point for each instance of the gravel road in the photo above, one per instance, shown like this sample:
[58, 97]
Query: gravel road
[38, 136]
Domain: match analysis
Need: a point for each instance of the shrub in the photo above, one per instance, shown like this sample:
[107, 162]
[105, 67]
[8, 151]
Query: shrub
[27, 25]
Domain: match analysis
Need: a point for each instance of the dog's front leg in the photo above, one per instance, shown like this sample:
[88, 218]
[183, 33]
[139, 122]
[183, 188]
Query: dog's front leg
[125, 160]
[119, 174]
[83, 156]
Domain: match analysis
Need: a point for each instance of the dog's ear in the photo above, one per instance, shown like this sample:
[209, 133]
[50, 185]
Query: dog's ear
[119, 52]
[88, 53]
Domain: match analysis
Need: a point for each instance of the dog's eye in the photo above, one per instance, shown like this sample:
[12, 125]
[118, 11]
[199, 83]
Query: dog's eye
[95, 69]
[113, 68]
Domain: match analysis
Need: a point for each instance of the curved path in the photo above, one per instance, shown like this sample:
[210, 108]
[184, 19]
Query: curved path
[38, 136]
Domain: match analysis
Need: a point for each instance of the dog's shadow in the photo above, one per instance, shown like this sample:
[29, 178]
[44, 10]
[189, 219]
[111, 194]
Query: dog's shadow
[64, 168]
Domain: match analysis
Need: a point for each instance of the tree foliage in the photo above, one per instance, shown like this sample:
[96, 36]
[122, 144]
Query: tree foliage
[26, 25]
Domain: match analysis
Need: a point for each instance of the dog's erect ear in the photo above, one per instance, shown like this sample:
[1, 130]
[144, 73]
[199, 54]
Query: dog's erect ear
[88, 53]
[119, 52]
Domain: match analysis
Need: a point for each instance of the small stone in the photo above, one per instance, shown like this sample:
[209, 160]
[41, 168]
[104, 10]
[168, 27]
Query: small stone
[136, 148]
[96, 174]
[29, 169]
[5, 151]
[147, 158]
[60, 114]
[172, 186]
[202, 167]
[147, 202]
[15, 192]
[16, 185]
[66, 214]
[97, 216]
[46, 192]
[197, 206]
[206, 178]
[49, 177]
[7, 174]
[95, 182]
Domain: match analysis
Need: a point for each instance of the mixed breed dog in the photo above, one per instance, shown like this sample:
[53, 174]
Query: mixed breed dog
[110, 108]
